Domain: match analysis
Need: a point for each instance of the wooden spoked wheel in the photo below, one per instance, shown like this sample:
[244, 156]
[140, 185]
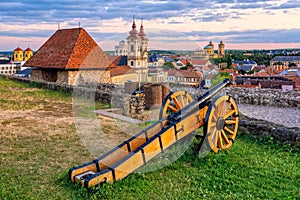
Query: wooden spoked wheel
[221, 123]
[173, 102]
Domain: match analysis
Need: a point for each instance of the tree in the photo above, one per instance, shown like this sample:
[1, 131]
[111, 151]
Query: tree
[227, 59]
[219, 78]
[189, 65]
[168, 65]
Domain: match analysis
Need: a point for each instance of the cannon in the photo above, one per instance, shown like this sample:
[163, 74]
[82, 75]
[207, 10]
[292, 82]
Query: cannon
[180, 115]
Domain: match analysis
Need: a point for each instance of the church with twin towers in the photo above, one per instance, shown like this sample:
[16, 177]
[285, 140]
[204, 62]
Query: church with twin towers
[136, 49]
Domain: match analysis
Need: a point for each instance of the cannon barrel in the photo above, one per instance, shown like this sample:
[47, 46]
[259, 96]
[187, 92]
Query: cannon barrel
[196, 104]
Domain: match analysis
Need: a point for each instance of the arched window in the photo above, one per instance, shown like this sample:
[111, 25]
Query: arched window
[131, 48]
[131, 63]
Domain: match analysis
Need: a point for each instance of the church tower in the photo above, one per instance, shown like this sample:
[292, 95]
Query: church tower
[143, 45]
[221, 49]
[18, 54]
[28, 53]
[137, 55]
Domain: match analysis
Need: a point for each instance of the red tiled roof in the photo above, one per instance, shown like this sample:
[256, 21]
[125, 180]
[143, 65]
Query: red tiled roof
[120, 70]
[18, 49]
[209, 76]
[228, 70]
[114, 60]
[185, 62]
[28, 49]
[69, 49]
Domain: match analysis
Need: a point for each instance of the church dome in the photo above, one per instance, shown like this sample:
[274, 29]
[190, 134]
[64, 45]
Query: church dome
[208, 47]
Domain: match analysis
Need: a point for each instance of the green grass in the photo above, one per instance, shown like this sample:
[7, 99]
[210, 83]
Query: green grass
[35, 156]
[19, 96]
[251, 169]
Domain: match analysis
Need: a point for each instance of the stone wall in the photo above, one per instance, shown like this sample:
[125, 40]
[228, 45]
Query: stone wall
[258, 128]
[44, 75]
[269, 97]
[133, 105]
[71, 77]
[77, 77]
[62, 77]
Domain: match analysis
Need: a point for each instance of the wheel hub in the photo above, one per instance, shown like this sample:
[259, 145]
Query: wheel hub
[220, 123]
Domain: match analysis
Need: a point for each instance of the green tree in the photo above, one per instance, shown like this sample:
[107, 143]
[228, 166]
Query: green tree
[227, 59]
[168, 65]
[189, 65]
[219, 78]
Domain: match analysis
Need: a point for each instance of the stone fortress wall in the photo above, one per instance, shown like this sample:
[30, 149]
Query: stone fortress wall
[132, 105]
[267, 97]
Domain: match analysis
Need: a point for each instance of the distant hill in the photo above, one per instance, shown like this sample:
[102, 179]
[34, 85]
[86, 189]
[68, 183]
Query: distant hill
[6, 53]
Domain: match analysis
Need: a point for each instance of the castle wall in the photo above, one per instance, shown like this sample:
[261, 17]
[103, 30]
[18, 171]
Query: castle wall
[88, 76]
[132, 105]
[267, 97]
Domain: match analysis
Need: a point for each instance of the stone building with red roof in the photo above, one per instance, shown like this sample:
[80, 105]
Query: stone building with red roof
[70, 56]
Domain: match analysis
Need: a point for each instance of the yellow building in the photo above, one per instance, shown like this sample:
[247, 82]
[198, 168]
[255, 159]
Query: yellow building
[20, 55]
[209, 49]
[27, 54]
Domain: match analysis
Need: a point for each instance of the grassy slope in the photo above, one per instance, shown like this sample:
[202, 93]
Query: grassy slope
[35, 159]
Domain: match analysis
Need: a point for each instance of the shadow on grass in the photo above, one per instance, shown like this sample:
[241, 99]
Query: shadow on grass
[74, 191]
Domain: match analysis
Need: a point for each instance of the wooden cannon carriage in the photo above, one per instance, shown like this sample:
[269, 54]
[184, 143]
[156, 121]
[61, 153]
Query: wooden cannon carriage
[180, 115]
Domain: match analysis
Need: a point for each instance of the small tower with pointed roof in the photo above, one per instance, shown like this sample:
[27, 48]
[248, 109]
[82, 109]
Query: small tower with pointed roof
[18, 54]
[28, 53]
[143, 45]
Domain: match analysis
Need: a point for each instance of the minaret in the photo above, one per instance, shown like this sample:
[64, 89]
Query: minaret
[221, 49]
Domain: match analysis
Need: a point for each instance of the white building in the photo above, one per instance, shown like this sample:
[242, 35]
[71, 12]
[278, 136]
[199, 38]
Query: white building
[137, 53]
[121, 50]
[7, 67]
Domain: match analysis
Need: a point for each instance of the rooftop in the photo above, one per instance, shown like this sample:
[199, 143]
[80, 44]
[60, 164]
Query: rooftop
[120, 70]
[69, 49]
[286, 58]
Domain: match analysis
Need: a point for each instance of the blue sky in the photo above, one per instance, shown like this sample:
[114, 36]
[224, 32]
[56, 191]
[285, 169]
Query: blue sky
[175, 24]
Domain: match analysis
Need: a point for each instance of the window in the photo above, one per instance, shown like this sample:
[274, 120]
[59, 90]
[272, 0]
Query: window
[131, 63]
[131, 48]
